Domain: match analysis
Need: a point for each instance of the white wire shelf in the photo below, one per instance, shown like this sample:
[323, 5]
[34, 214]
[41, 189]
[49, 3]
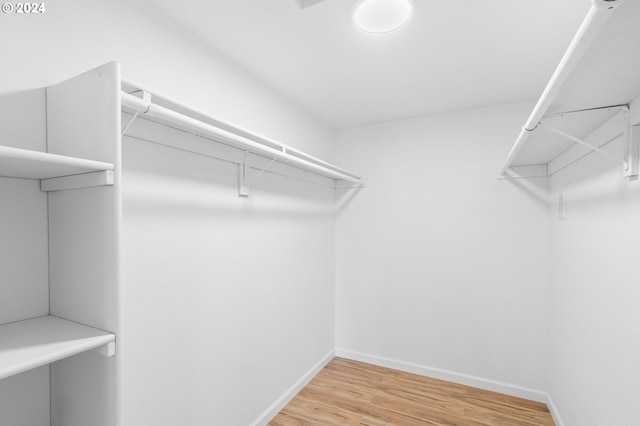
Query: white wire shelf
[591, 93]
[163, 110]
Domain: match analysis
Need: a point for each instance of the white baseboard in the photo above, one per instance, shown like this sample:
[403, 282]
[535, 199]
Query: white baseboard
[281, 402]
[450, 376]
[554, 411]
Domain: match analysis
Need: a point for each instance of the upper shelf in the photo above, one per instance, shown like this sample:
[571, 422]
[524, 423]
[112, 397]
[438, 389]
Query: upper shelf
[599, 71]
[23, 163]
[32, 343]
[163, 110]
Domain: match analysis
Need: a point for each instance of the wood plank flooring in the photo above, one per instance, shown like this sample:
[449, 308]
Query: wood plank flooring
[348, 393]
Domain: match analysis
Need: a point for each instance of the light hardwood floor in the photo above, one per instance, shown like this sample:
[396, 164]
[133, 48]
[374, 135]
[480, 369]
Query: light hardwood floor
[353, 393]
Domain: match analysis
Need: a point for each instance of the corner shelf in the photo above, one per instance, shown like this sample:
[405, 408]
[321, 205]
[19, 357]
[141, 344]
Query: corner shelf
[32, 343]
[23, 163]
[592, 99]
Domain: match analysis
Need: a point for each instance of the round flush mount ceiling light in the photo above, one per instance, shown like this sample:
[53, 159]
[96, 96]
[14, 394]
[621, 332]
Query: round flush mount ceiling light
[382, 16]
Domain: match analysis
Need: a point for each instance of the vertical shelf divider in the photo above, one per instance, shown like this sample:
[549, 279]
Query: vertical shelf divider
[83, 120]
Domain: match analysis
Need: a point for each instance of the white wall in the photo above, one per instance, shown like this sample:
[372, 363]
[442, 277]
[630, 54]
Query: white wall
[595, 293]
[237, 338]
[438, 263]
[228, 301]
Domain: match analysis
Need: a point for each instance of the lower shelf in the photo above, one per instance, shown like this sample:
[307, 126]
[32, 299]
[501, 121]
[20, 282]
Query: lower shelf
[32, 343]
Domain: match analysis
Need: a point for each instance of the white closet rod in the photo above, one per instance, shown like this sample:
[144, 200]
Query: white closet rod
[278, 151]
[235, 129]
[596, 18]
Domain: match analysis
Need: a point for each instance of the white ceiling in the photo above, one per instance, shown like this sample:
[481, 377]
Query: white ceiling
[454, 54]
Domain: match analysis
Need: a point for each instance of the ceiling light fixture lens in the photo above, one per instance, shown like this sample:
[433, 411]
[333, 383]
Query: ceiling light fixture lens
[382, 16]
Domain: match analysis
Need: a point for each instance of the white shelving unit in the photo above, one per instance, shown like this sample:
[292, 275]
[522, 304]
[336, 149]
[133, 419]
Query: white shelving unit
[32, 343]
[61, 220]
[65, 222]
[592, 99]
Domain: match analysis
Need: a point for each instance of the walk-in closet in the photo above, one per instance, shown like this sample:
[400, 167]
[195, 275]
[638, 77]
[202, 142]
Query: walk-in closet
[319, 212]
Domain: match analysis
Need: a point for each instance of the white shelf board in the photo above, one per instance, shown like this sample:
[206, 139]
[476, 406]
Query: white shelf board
[23, 163]
[609, 71]
[177, 115]
[606, 74]
[32, 343]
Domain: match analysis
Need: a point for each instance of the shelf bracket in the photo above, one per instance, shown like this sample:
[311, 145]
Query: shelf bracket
[146, 97]
[630, 138]
[585, 144]
[632, 151]
[243, 178]
[244, 182]
[262, 170]
[107, 350]
[85, 180]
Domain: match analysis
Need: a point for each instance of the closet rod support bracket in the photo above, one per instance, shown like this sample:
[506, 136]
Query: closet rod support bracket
[631, 147]
[146, 98]
[243, 178]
